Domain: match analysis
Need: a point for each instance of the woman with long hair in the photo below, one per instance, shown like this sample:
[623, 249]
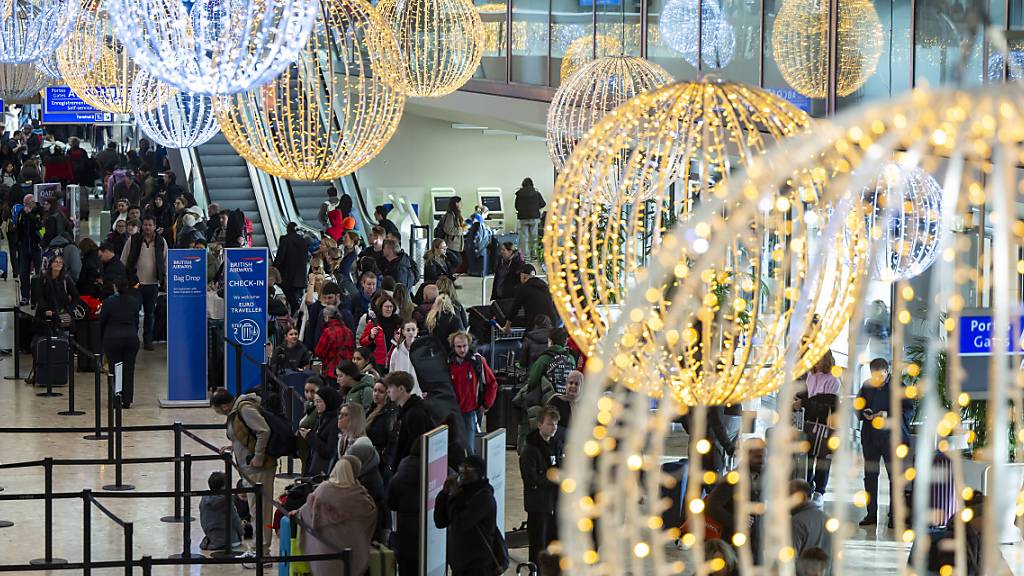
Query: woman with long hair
[380, 331]
[292, 354]
[453, 225]
[819, 402]
[438, 262]
[400, 360]
[447, 287]
[443, 320]
[54, 294]
[403, 302]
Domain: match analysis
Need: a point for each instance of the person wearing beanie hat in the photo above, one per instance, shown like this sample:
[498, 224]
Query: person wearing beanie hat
[322, 439]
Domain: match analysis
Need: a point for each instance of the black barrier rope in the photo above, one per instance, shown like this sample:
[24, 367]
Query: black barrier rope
[127, 428]
[238, 363]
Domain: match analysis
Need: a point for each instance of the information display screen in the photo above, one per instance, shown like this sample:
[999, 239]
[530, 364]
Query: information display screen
[62, 106]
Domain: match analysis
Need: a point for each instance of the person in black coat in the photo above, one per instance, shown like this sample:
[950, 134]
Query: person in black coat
[413, 419]
[533, 296]
[439, 262]
[323, 440]
[874, 401]
[114, 270]
[54, 293]
[543, 451]
[381, 214]
[405, 500]
[529, 203]
[381, 426]
[119, 326]
[399, 265]
[466, 507]
[91, 276]
[506, 273]
[56, 222]
[291, 261]
[27, 227]
[291, 354]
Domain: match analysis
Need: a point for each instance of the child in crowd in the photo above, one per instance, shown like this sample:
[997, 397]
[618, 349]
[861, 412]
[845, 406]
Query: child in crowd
[212, 517]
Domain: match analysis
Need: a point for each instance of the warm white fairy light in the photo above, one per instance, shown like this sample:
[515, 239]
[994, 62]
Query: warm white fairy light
[214, 46]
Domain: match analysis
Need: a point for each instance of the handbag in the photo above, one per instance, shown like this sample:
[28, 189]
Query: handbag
[499, 551]
[65, 320]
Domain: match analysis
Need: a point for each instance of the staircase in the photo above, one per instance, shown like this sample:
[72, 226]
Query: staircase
[228, 183]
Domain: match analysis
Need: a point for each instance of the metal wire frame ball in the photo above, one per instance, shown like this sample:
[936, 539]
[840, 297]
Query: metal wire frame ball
[31, 29]
[581, 51]
[800, 45]
[96, 66]
[331, 112]
[973, 140]
[596, 89]
[441, 44]
[905, 214]
[215, 46]
[20, 83]
[678, 26]
[185, 120]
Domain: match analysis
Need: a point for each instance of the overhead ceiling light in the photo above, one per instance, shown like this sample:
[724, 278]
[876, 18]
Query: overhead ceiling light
[458, 126]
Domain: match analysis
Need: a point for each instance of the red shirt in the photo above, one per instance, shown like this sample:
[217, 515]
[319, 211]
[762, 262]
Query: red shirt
[336, 345]
[464, 380]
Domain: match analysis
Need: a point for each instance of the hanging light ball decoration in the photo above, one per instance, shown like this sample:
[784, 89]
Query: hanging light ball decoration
[904, 217]
[213, 46]
[47, 66]
[328, 114]
[96, 66]
[440, 42]
[643, 153]
[678, 27]
[185, 120]
[800, 45]
[581, 51]
[599, 87]
[971, 140]
[31, 29]
[20, 83]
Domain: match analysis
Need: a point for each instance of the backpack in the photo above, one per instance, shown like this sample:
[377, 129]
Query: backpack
[282, 437]
[439, 228]
[558, 370]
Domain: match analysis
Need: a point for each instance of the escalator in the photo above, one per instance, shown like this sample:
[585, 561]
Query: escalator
[229, 183]
[309, 196]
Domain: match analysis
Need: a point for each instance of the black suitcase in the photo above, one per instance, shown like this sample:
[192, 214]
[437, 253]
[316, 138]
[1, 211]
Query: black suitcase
[50, 361]
[674, 490]
[26, 332]
[160, 320]
[480, 322]
[87, 334]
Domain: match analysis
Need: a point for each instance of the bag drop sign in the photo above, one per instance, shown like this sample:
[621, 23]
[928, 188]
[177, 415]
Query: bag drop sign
[245, 315]
[186, 325]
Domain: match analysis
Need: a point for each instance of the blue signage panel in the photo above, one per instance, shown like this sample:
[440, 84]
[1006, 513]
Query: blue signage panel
[793, 97]
[245, 315]
[62, 106]
[976, 335]
[186, 333]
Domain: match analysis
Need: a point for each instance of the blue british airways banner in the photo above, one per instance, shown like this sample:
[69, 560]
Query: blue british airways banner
[245, 316]
[186, 325]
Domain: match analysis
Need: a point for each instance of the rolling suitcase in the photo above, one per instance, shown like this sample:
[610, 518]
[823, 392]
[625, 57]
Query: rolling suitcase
[160, 320]
[382, 560]
[50, 361]
[3, 264]
[87, 334]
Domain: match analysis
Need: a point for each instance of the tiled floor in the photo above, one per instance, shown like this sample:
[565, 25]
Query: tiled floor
[875, 553]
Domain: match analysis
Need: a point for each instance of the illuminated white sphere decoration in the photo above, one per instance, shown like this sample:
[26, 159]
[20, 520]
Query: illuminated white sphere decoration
[31, 29]
[216, 46]
[678, 28]
[186, 119]
[904, 216]
[47, 65]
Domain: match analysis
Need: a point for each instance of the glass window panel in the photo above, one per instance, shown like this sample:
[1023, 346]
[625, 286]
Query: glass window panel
[618, 26]
[738, 42]
[892, 43]
[530, 42]
[939, 28]
[492, 65]
[572, 36]
[666, 39]
[774, 81]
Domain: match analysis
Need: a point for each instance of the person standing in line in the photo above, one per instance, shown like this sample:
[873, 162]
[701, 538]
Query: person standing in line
[413, 420]
[543, 451]
[144, 260]
[533, 297]
[336, 343]
[873, 405]
[249, 434]
[380, 213]
[529, 203]
[291, 260]
[475, 384]
[322, 438]
[30, 255]
[819, 403]
[467, 509]
[400, 359]
[119, 326]
[566, 403]
[453, 225]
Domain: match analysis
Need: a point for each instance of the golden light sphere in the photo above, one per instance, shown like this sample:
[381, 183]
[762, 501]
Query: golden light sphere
[328, 114]
[581, 51]
[440, 42]
[800, 45]
[95, 65]
[597, 88]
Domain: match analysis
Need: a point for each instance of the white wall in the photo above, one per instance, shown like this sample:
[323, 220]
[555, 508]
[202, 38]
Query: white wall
[426, 153]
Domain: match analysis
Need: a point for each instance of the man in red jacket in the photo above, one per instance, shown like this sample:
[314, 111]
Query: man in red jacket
[474, 383]
[336, 343]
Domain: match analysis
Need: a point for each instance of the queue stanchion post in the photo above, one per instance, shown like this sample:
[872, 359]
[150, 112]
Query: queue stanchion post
[97, 368]
[228, 551]
[14, 349]
[186, 526]
[86, 532]
[71, 382]
[258, 527]
[238, 368]
[147, 566]
[48, 393]
[289, 406]
[48, 517]
[110, 414]
[129, 538]
[177, 478]
[118, 485]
